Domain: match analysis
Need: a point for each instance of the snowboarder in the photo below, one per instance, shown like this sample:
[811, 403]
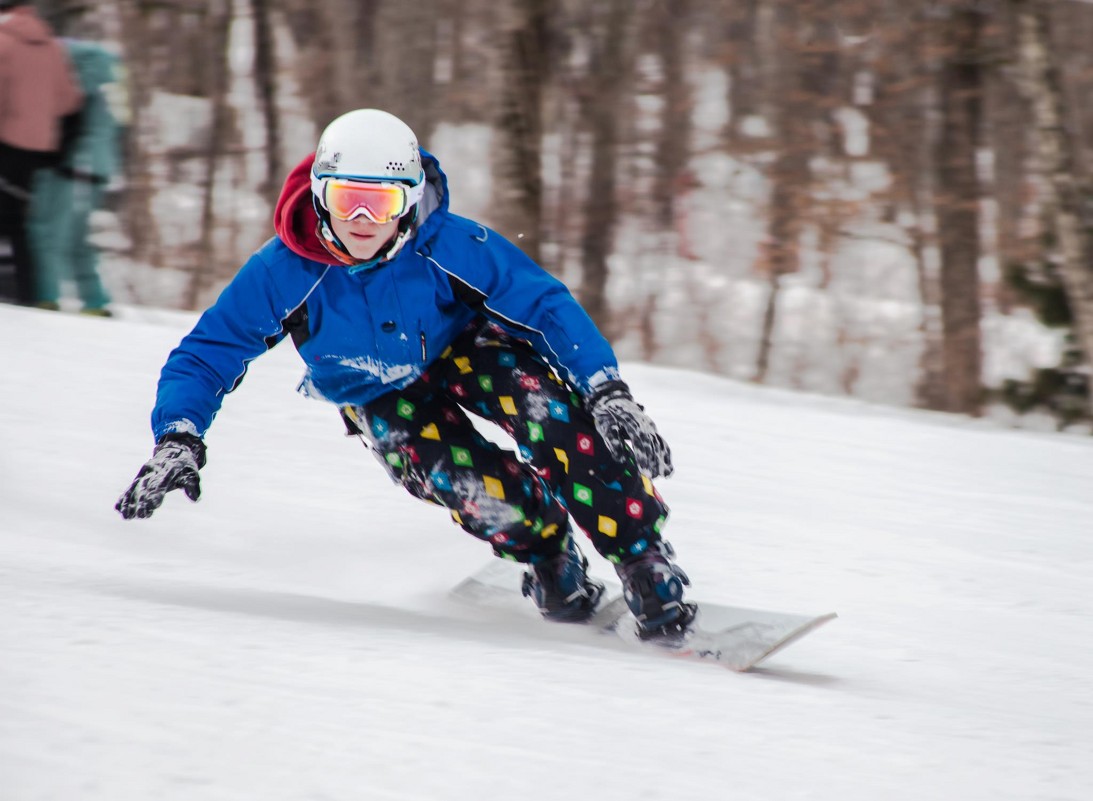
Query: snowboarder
[408, 316]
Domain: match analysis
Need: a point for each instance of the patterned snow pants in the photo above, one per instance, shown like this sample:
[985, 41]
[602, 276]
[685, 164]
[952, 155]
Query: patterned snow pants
[520, 504]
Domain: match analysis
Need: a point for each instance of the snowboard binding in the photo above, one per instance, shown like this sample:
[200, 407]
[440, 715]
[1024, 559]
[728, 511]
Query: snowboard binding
[653, 588]
[560, 586]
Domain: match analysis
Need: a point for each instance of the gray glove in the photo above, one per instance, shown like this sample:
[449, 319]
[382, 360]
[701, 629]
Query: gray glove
[174, 465]
[620, 419]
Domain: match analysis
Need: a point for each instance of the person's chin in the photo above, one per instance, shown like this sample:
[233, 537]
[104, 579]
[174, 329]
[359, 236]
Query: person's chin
[363, 252]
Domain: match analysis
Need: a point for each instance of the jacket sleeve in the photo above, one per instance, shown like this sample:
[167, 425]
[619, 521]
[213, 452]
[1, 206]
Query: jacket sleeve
[502, 282]
[212, 359]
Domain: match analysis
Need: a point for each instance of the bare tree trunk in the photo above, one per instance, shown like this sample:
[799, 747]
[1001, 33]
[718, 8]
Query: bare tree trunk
[327, 33]
[407, 37]
[364, 37]
[901, 135]
[792, 95]
[1055, 151]
[518, 174]
[140, 225]
[459, 61]
[789, 180]
[220, 18]
[647, 330]
[564, 227]
[930, 387]
[673, 147]
[608, 70]
[265, 73]
[338, 89]
[1018, 241]
[766, 329]
[961, 84]
[744, 27]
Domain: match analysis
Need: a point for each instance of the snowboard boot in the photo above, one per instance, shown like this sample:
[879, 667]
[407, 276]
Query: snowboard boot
[560, 587]
[653, 588]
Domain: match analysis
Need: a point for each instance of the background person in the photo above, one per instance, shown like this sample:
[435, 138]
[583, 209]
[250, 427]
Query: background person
[37, 90]
[64, 197]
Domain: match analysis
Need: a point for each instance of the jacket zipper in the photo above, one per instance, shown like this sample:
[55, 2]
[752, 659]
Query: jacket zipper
[424, 353]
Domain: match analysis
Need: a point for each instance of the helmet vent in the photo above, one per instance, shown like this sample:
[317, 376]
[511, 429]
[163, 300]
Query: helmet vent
[396, 166]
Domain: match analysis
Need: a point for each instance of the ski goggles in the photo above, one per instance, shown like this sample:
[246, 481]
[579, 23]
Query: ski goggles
[379, 201]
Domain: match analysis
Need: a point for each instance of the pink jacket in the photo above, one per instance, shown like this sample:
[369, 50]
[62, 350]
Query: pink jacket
[37, 86]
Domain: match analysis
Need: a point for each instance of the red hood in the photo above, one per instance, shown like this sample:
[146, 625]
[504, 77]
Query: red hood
[294, 217]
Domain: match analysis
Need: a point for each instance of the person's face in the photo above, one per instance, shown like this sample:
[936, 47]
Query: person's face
[362, 237]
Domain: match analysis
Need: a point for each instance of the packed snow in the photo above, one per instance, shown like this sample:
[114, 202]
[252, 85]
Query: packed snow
[291, 636]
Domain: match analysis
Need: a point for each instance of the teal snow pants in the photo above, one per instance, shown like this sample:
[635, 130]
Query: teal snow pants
[58, 229]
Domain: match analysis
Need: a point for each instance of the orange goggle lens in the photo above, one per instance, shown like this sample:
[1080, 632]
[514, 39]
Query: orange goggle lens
[379, 202]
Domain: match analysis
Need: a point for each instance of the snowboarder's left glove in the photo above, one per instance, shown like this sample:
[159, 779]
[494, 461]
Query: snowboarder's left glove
[619, 418]
[174, 465]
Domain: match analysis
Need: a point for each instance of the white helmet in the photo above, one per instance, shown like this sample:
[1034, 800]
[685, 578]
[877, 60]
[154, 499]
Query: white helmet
[367, 144]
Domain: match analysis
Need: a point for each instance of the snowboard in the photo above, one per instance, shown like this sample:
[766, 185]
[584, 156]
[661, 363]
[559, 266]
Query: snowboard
[731, 636]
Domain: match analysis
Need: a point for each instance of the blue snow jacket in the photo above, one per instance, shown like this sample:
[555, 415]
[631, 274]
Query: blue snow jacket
[364, 333]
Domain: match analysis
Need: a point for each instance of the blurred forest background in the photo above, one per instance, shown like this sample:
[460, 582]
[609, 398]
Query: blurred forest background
[886, 199]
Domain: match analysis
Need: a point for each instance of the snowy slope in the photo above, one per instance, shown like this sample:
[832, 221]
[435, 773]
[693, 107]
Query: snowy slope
[289, 637]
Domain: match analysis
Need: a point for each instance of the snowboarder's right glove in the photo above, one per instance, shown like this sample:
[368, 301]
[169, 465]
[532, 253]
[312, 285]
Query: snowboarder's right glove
[174, 465]
[621, 419]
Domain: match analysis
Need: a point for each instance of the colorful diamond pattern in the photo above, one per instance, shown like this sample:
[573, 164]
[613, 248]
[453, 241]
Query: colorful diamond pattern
[562, 457]
[620, 523]
[582, 493]
[441, 480]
